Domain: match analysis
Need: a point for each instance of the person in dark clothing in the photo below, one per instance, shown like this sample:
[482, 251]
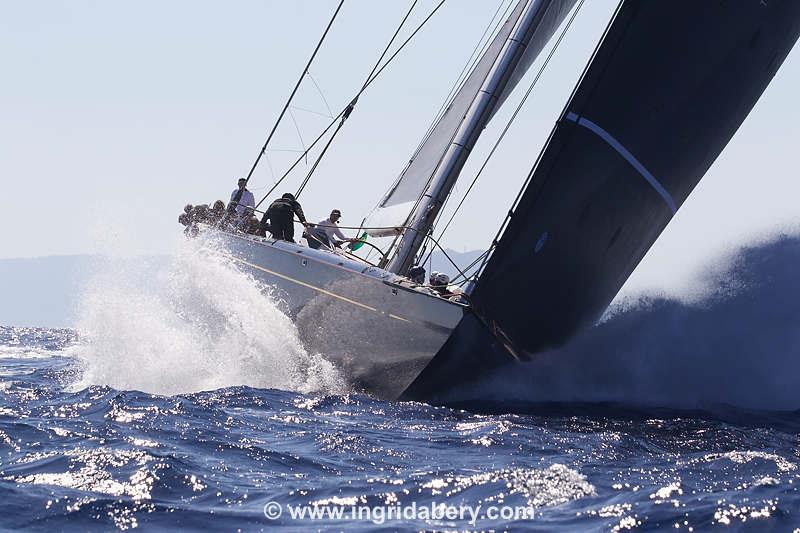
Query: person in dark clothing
[281, 214]
[200, 214]
[417, 275]
[216, 213]
[191, 216]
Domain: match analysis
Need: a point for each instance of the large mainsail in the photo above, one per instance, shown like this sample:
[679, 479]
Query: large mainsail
[511, 52]
[665, 91]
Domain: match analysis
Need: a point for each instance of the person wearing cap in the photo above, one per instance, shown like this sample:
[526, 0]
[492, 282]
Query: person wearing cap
[241, 198]
[323, 233]
[417, 274]
[440, 284]
[281, 215]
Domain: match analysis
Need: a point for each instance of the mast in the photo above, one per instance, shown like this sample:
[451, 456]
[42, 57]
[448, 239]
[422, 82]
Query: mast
[481, 110]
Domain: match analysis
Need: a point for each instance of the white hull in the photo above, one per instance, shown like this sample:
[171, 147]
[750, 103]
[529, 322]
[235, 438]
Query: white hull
[380, 333]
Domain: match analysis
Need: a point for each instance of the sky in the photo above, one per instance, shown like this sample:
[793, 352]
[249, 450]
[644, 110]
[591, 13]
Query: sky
[116, 114]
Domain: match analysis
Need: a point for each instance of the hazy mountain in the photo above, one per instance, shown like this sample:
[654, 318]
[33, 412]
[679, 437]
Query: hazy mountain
[44, 291]
[440, 263]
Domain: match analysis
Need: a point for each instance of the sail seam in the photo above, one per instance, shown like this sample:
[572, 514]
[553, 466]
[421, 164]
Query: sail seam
[627, 155]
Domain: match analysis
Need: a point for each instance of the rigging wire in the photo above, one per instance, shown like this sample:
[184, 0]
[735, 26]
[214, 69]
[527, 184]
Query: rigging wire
[511, 119]
[342, 112]
[389, 44]
[269, 164]
[469, 65]
[301, 158]
[443, 111]
[408, 39]
[291, 96]
[319, 90]
[297, 128]
[324, 149]
[353, 102]
[461, 79]
[306, 110]
[467, 269]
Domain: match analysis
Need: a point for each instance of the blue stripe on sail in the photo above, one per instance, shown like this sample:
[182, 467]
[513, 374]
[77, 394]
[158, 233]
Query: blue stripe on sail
[615, 144]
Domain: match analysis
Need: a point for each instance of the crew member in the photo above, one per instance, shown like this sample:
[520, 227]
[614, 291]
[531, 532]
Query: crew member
[191, 216]
[217, 212]
[281, 214]
[245, 198]
[249, 223]
[417, 274]
[200, 214]
[325, 231]
[439, 282]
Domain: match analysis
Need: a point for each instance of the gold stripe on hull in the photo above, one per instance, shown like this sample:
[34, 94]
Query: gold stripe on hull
[314, 287]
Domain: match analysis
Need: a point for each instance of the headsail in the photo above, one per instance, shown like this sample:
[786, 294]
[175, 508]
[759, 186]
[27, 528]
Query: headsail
[666, 90]
[543, 16]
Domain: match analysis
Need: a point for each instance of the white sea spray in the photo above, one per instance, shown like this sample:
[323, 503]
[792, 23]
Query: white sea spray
[197, 324]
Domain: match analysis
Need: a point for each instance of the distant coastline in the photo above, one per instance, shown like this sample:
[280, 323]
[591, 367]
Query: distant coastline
[45, 291]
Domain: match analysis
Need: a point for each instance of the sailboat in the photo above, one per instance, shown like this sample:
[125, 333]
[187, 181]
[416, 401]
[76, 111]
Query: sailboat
[667, 87]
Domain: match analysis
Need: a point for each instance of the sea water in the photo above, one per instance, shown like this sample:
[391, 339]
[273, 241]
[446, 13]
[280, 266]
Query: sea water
[185, 401]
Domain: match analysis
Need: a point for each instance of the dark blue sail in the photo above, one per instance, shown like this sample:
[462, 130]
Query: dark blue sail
[665, 92]
[667, 88]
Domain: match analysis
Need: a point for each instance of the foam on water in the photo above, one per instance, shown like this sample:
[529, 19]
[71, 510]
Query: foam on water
[198, 324]
[732, 338]
[100, 458]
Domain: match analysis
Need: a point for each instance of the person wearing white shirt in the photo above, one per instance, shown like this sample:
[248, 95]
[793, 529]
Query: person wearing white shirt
[246, 198]
[323, 233]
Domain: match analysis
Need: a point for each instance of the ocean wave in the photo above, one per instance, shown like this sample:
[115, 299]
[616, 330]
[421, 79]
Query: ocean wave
[734, 341]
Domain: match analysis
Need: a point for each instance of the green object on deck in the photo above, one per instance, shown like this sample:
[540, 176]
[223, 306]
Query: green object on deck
[359, 243]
